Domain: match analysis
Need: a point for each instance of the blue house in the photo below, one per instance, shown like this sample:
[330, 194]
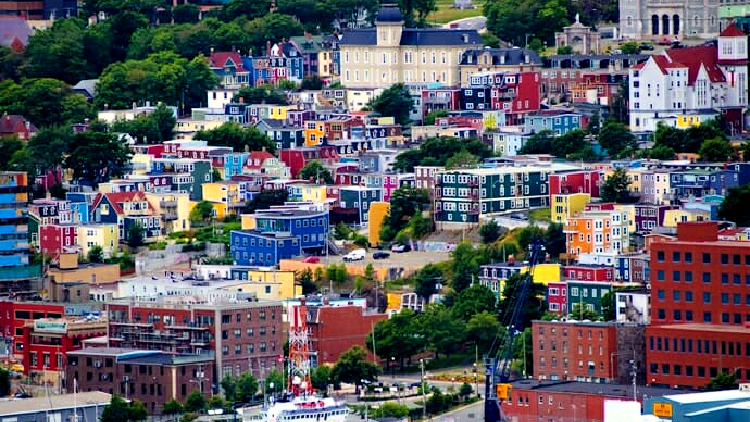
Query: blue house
[285, 135]
[559, 124]
[80, 204]
[280, 233]
[359, 198]
[253, 247]
[233, 164]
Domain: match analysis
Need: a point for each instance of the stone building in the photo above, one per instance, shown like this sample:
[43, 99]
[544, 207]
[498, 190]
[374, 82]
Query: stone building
[654, 20]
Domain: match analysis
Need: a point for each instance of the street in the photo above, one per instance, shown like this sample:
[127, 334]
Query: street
[395, 260]
[478, 23]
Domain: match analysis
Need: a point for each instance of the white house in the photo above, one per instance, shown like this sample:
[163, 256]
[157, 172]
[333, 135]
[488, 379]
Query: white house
[683, 87]
[633, 306]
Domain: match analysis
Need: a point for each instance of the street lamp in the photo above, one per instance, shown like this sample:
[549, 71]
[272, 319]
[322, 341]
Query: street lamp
[476, 380]
[393, 367]
[424, 394]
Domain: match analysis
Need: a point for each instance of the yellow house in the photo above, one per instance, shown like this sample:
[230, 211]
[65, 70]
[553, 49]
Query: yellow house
[267, 284]
[226, 197]
[105, 235]
[247, 221]
[312, 193]
[187, 128]
[687, 121]
[174, 209]
[672, 217]
[326, 64]
[376, 214]
[564, 206]
[543, 274]
[628, 212]
[314, 132]
[394, 303]
[279, 112]
[141, 164]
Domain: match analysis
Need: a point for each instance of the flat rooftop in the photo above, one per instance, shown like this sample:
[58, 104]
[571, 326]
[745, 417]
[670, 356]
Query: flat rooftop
[53, 402]
[705, 328]
[611, 390]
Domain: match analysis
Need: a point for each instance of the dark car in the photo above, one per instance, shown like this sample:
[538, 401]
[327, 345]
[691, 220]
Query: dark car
[647, 47]
[380, 255]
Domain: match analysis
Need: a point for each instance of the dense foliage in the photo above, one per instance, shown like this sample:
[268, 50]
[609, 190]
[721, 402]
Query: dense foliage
[437, 151]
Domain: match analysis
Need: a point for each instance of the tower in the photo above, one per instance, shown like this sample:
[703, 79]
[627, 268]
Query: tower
[299, 351]
[389, 25]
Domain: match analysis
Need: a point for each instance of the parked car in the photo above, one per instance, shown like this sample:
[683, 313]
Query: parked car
[647, 47]
[355, 255]
[381, 255]
[665, 41]
[311, 260]
[519, 216]
[398, 248]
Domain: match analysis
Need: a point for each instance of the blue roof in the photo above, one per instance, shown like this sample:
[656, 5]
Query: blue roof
[415, 36]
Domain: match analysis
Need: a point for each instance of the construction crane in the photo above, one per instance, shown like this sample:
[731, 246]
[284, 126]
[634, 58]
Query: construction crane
[497, 367]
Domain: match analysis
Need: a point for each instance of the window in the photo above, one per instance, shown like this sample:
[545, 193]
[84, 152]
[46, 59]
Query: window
[688, 276]
[706, 277]
[706, 258]
[706, 297]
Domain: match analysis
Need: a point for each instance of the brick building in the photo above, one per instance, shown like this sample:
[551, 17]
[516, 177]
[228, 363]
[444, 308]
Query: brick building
[153, 377]
[568, 401]
[335, 329]
[700, 307]
[243, 336]
[587, 351]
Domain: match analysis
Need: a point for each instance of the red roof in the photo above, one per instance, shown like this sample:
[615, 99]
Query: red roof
[12, 123]
[732, 31]
[262, 156]
[692, 58]
[222, 60]
[116, 199]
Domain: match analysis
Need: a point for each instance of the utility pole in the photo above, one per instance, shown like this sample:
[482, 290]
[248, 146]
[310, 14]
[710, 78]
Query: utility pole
[424, 395]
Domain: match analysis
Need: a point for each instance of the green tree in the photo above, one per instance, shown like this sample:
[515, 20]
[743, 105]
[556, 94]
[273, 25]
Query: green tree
[119, 410]
[96, 157]
[462, 159]
[429, 119]
[8, 146]
[734, 206]
[615, 188]
[321, 377]
[436, 403]
[152, 128]
[202, 211]
[715, 150]
[305, 280]
[482, 329]
[95, 255]
[538, 143]
[607, 303]
[391, 410]
[534, 307]
[554, 240]
[489, 231]
[194, 402]
[472, 301]
[249, 9]
[62, 44]
[565, 49]
[580, 312]
[723, 381]
[630, 47]
[443, 333]
[394, 101]
[465, 266]
[396, 337]
[277, 379]
[229, 386]
[437, 151]
[247, 387]
[352, 367]
[426, 281]
[267, 198]
[45, 102]
[466, 390]
[12, 64]
[231, 134]
[185, 13]
[616, 138]
[316, 172]
[568, 143]
[173, 407]
[262, 94]
[313, 83]
[661, 152]
[405, 203]
[135, 235]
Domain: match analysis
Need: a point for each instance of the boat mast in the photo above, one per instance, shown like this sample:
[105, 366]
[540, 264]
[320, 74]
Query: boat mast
[299, 351]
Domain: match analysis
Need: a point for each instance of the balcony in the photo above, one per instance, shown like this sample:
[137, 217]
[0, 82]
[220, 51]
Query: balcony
[437, 100]
[168, 204]
[472, 182]
[170, 215]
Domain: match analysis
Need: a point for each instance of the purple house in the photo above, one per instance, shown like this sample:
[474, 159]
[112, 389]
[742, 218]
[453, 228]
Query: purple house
[648, 216]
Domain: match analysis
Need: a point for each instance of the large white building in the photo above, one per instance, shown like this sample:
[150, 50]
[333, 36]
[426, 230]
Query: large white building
[686, 86]
[674, 19]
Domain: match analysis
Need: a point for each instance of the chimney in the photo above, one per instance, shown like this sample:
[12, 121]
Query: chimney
[465, 38]
[268, 48]
[241, 100]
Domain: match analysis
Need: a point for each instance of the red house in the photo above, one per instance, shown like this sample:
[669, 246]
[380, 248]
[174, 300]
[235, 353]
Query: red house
[55, 239]
[298, 158]
[14, 125]
[15, 315]
[583, 181]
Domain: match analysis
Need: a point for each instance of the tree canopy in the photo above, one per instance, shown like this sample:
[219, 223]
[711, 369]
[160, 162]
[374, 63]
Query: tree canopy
[119, 410]
[45, 102]
[715, 150]
[734, 207]
[96, 157]
[316, 172]
[352, 367]
[231, 134]
[616, 139]
[153, 128]
[437, 151]
[405, 203]
[394, 101]
[615, 188]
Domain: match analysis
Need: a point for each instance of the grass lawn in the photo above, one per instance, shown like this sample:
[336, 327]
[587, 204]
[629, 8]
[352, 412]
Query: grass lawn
[540, 214]
[445, 14]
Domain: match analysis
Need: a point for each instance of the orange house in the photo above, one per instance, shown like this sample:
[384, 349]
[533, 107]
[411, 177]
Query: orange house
[601, 231]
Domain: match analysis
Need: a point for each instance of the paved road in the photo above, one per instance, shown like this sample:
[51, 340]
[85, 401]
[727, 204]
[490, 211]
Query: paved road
[400, 260]
[470, 413]
[478, 23]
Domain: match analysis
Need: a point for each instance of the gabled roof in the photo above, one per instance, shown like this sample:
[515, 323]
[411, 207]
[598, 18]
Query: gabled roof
[225, 59]
[261, 156]
[732, 31]
[13, 123]
[14, 29]
[87, 87]
[116, 199]
[692, 58]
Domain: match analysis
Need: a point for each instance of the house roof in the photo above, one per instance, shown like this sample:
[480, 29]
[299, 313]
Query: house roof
[116, 199]
[511, 56]
[88, 86]
[280, 124]
[225, 59]
[415, 36]
[14, 28]
[389, 13]
[262, 156]
[13, 123]
[692, 58]
[732, 31]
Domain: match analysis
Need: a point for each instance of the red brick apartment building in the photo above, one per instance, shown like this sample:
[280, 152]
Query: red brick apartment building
[243, 336]
[587, 351]
[700, 301]
[335, 329]
[568, 401]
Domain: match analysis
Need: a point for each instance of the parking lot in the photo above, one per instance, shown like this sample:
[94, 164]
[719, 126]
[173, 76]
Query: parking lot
[399, 260]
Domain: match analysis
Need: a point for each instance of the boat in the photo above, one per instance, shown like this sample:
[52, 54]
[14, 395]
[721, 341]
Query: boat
[300, 403]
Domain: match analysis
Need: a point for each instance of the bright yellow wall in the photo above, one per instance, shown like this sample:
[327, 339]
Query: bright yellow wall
[569, 205]
[672, 217]
[247, 221]
[313, 193]
[376, 214]
[318, 131]
[105, 235]
[281, 282]
[685, 122]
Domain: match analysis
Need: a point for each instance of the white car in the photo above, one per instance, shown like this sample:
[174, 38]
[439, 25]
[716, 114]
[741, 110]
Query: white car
[398, 248]
[355, 255]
